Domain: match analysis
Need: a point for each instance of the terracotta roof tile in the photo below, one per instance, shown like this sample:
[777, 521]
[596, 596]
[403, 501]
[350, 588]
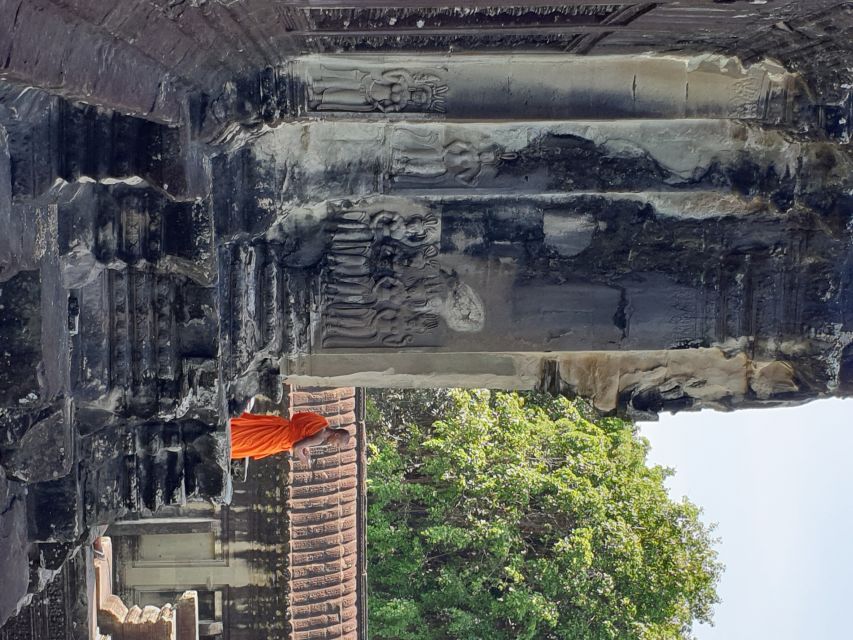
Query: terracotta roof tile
[327, 567]
[326, 501]
[331, 473]
[325, 594]
[303, 398]
[324, 525]
[329, 527]
[310, 556]
[308, 542]
[321, 460]
[320, 488]
[322, 515]
[324, 580]
[335, 631]
[319, 608]
[328, 619]
[341, 421]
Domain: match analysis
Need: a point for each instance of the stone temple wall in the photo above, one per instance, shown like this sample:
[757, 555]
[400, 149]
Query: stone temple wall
[109, 394]
[646, 203]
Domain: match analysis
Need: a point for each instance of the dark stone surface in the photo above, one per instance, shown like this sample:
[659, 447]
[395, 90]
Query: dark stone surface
[20, 335]
[59, 610]
[14, 544]
[54, 510]
[45, 452]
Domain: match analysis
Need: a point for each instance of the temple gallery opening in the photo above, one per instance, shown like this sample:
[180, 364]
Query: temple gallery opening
[616, 209]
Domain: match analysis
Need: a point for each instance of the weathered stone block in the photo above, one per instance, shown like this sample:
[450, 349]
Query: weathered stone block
[55, 510]
[112, 613]
[14, 544]
[20, 339]
[46, 451]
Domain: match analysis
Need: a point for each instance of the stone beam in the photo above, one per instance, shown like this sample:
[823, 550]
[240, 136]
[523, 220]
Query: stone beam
[631, 155]
[411, 289]
[639, 383]
[427, 276]
[502, 87]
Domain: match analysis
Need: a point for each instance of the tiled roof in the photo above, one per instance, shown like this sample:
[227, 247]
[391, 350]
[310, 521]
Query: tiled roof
[326, 535]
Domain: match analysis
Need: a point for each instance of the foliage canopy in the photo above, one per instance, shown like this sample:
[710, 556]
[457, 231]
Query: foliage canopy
[525, 517]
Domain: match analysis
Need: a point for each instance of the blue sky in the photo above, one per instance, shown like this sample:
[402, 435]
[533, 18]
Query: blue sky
[778, 484]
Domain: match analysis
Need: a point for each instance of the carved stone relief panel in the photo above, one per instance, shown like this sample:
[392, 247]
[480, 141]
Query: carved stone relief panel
[301, 163]
[418, 272]
[383, 285]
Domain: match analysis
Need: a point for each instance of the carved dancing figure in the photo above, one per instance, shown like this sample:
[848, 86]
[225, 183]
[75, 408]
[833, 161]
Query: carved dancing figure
[422, 322]
[400, 333]
[418, 259]
[432, 287]
[413, 230]
[389, 291]
[361, 91]
[348, 287]
[423, 157]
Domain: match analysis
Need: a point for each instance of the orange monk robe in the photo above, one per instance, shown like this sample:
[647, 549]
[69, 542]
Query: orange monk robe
[258, 436]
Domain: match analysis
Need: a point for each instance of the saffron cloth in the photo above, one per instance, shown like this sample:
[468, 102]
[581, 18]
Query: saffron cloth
[259, 436]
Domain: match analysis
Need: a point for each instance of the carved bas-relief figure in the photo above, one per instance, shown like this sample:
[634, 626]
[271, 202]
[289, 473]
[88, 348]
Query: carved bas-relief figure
[413, 230]
[383, 285]
[391, 91]
[423, 157]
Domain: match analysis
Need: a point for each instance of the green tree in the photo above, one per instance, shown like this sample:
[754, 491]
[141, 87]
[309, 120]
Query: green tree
[521, 516]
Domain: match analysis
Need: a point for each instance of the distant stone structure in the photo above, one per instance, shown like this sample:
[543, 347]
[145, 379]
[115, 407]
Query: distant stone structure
[647, 203]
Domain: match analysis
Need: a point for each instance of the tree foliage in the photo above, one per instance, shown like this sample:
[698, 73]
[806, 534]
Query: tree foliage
[524, 517]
